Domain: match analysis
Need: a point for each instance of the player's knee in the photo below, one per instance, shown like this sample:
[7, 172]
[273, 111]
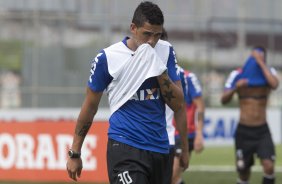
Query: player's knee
[244, 173]
[268, 166]
[243, 170]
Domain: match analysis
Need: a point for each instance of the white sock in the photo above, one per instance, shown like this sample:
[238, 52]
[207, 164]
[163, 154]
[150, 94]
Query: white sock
[179, 181]
[239, 181]
[272, 176]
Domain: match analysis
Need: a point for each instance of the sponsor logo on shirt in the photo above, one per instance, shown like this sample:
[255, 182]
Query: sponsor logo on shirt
[146, 94]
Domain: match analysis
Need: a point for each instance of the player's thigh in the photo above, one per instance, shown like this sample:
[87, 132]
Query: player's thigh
[169, 170]
[245, 147]
[266, 148]
[159, 166]
[266, 153]
[127, 164]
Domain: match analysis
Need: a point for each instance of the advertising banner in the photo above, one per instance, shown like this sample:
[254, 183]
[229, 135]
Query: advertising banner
[220, 125]
[35, 148]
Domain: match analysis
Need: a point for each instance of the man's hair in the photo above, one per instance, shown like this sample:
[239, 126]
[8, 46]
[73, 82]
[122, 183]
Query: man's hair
[148, 12]
[164, 35]
[262, 49]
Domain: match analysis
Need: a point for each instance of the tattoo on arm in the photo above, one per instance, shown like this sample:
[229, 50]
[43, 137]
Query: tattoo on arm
[168, 95]
[167, 83]
[82, 131]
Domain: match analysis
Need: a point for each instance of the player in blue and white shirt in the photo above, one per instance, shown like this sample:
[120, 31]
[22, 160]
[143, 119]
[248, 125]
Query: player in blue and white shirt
[195, 109]
[140, 77]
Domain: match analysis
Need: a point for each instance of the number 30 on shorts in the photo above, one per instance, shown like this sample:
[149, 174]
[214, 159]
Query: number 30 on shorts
[125, 177]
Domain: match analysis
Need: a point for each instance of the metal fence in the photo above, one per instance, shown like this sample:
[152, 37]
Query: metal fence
[46, 46]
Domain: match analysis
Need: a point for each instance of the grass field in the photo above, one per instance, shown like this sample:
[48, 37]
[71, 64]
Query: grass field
[216, 166]
[213, 166]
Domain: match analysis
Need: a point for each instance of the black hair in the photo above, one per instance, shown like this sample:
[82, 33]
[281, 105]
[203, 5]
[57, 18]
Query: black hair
[148, 12]
[164, 35]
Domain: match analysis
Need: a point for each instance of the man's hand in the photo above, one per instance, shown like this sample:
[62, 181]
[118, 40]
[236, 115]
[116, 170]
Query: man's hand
[241, 83]
[184, 159]
[199, 143]
[259, 56]
[74, 167]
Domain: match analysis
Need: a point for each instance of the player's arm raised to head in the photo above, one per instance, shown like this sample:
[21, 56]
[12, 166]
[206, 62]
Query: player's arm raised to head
[272, 80]
[170, 83]
[270, 76]
[231, 85]
[227, 96]
[228, 93]
[85, 118]
[171, 92]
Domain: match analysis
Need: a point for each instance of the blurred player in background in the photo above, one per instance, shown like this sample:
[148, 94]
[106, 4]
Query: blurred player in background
[180, 117]
[253, 84]
[139, 75]
[195, 108]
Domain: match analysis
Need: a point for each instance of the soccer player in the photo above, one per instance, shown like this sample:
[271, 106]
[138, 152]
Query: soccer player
[139, 76]
[180, 117]
[195, 109]
[253, 84]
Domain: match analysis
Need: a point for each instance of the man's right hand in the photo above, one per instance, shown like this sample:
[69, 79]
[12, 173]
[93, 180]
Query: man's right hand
[74, 167]
[241, 83]
[184, 159]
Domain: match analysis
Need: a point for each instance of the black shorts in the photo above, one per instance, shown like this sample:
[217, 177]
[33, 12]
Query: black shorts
[127, 164]
[169, 170]
[250, 141]
[178, 145]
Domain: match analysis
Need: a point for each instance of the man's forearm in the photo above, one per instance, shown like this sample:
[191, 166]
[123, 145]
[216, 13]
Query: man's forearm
[81, 131]
[227, 96]
[271, 79]
[200, 113]
[171, 92]
[83, 124]
[200, 121]
[181, 126]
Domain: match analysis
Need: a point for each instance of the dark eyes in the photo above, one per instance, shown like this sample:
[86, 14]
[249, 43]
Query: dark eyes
[148, 34]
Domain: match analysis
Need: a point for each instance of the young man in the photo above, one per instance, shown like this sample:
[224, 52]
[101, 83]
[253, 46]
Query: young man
[195, 109]
[140, 77]
[253, 84]
[180, 117]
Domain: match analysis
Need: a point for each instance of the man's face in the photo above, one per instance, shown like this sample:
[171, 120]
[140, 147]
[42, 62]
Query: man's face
[260, 53]
[147, 33]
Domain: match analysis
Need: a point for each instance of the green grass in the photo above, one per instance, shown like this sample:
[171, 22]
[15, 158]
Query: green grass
[224, 156]
[211, 157]
[221, 178]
